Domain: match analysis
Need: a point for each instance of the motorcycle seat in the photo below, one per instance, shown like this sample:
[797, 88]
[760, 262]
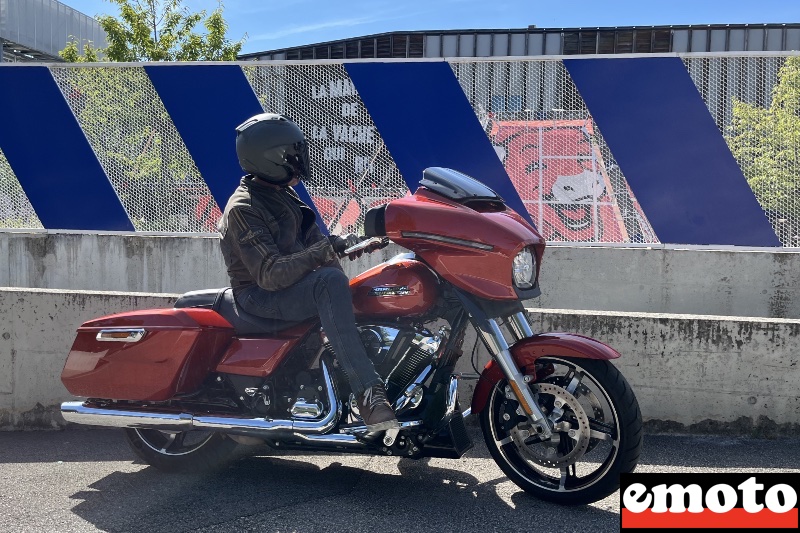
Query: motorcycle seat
[223, 302]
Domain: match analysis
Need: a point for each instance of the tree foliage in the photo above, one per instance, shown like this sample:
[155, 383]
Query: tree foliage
[766, 143]
[72, 54]
[160, 30]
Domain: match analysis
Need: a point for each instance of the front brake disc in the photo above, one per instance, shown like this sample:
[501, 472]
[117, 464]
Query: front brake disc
[550, 453]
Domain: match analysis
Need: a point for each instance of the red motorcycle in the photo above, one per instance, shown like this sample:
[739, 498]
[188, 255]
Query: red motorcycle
[189, 384]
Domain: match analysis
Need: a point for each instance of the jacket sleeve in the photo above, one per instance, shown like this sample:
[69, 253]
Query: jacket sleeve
[314, 236]
[250, 236]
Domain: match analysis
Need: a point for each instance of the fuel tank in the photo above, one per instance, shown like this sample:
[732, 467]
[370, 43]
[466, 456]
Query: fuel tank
[402, 286]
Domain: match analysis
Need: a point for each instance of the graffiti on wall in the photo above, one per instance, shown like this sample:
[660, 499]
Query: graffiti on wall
[559, 170]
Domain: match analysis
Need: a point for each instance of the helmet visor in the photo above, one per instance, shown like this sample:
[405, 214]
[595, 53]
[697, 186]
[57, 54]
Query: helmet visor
[298, 161]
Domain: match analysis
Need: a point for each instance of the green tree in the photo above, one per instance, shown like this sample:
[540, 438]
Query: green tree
[71, 53]
[121, 114]
[766, 143]
[160, 30]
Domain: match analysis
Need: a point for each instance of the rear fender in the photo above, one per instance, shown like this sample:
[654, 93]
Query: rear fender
[527, 351]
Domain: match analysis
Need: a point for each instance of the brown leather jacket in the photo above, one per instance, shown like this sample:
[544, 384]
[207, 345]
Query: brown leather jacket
[271, 238]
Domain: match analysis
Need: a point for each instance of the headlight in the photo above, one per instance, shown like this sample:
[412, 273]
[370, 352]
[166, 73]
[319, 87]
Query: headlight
[524, 269]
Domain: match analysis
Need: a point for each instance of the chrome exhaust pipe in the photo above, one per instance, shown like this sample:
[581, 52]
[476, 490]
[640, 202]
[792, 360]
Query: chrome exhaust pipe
[79, 413]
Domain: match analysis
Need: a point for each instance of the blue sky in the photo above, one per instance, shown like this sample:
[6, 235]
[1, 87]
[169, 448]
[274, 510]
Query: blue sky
[271, 25]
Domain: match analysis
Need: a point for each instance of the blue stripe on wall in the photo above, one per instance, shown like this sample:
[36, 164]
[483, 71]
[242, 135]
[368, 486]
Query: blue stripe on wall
[52, 158]
[670, 150]
[426, 120]
[206, 103]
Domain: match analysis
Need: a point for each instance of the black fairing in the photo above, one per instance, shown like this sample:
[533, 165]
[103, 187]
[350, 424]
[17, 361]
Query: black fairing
[456, 186]
[375, 222]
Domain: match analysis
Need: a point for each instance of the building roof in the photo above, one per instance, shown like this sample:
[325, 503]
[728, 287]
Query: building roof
[532, 41]
[36, 30]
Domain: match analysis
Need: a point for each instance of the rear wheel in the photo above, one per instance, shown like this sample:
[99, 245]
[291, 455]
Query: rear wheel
[597, 431]
[188, 451]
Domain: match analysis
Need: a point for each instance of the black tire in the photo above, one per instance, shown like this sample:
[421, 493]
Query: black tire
[613, 446]
[187, 452]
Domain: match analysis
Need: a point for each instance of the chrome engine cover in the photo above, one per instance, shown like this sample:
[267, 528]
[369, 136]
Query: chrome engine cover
[402, 358]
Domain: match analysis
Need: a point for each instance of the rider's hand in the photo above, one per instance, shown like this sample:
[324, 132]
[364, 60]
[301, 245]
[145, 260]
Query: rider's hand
[340, 244]
[376, 245]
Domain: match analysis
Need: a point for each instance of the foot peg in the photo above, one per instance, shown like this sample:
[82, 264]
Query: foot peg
[390, 436]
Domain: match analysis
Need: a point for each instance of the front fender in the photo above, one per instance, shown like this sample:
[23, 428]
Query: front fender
[527, 351]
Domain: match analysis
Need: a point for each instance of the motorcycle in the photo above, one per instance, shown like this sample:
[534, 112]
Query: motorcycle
[191, 383]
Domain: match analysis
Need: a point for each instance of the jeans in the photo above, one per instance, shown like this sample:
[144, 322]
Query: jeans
[324, 292]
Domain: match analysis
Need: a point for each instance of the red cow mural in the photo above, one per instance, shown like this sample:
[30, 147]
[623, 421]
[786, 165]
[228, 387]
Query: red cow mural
[561, 177]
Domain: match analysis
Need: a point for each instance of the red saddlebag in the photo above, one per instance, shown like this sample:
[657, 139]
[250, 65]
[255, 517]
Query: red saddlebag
[147, 355]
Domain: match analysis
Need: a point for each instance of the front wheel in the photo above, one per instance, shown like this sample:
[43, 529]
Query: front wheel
[597, 431]
[187, 452]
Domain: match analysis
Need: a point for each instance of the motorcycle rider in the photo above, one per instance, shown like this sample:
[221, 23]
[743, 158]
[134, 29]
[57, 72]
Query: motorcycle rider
[280, 264]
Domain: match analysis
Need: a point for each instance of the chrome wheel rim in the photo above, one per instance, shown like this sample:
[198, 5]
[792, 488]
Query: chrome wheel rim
[586, 434]
[174, 443]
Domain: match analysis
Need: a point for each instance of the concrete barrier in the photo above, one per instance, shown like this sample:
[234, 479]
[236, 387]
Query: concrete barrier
[656, 279]
[690, 373]
[37, 328]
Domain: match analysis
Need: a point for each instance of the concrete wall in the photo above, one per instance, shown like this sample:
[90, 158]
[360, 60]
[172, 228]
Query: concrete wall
[716, 374]
[700, 373]
[37, 328]
[663, 280]
[736, 283]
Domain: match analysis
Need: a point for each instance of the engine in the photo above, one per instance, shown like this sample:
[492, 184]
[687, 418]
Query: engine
[402, 357]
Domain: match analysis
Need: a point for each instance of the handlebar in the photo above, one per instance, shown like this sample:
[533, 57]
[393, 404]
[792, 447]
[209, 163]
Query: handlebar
[376, 243]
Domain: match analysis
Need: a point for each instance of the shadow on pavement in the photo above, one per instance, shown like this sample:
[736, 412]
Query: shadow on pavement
[276, 493]
[324, 492]
[71, 445]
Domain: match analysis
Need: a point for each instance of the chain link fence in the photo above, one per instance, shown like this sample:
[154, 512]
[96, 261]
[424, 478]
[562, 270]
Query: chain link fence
[139, 148]
[15, 208]
[553, 151]
[755, 102]
[531, 111]
[352, 170]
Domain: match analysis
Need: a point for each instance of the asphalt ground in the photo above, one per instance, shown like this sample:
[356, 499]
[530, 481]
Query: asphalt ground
[88, 480]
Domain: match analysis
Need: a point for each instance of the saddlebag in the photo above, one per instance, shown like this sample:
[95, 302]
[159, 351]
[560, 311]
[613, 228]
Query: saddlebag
[149, 355]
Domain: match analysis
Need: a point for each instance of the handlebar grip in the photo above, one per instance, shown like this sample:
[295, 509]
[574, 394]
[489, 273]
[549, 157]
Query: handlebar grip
[375, 242]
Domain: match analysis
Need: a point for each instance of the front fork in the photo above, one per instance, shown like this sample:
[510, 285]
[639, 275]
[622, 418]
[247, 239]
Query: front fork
[499, 349]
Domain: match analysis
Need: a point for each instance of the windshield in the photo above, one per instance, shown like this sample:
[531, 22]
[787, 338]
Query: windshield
[456, 186]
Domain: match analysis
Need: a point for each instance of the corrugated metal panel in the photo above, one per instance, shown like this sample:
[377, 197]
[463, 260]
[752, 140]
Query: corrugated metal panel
[736, 40]
[45, 26]
[606, 42]
[62, 22]
[563, 41]
[450, 45]
[552, 44]
[680, 41]
[775, 40]
[755, 40]
[466, 45]
[500, 44]
[699, 40]
[483, 47]
[433, 46]
[793, 39]
[718, 38]
[3, 14]
[517, 47]
[536, 44]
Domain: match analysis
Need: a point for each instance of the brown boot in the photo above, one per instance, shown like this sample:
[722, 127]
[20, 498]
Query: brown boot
[375, 409]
